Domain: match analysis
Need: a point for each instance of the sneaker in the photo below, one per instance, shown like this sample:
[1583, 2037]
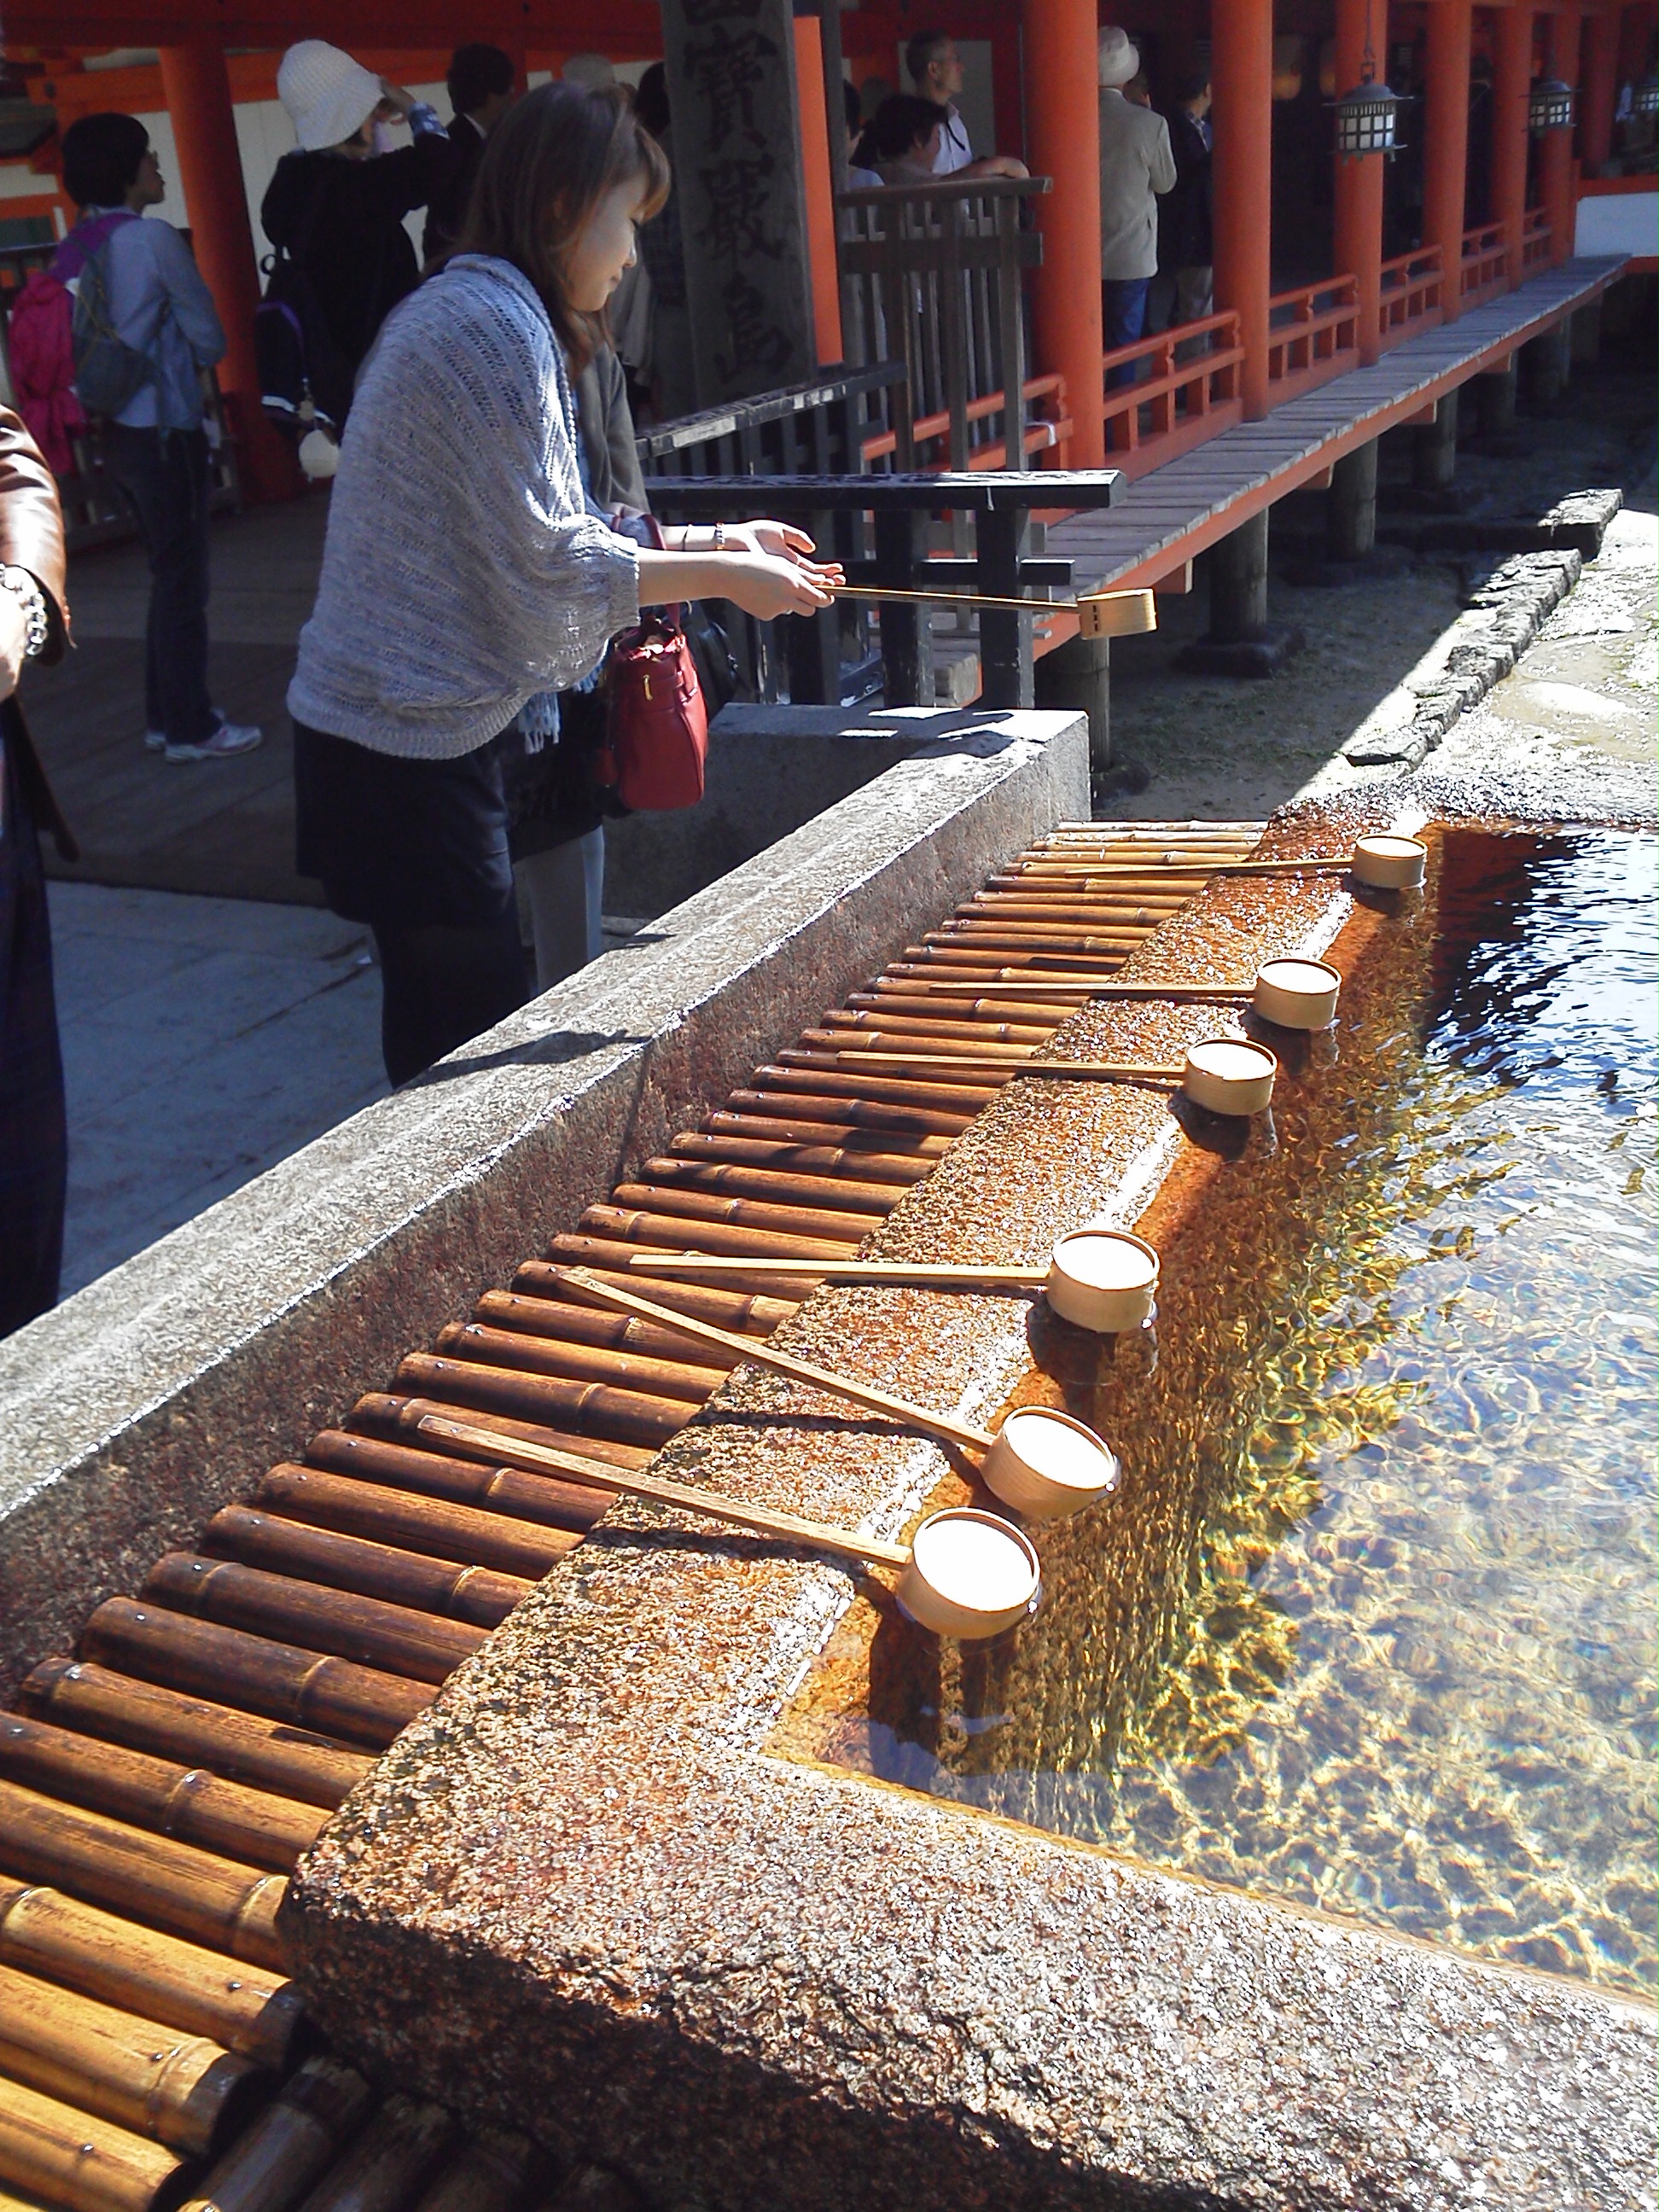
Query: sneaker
[155, 741]
[229, 739]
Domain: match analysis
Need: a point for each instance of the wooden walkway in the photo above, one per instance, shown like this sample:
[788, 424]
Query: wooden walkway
[1180, 509]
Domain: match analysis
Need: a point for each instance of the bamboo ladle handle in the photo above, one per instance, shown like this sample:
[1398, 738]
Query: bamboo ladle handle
[937, 1274]
[1086, 1071]
[544, 1459]
[759, 1353]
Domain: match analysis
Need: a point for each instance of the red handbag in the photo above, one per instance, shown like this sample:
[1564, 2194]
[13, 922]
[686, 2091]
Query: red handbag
[655, 751]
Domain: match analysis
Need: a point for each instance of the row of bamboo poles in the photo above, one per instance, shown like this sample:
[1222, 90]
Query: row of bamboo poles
[156, 1788]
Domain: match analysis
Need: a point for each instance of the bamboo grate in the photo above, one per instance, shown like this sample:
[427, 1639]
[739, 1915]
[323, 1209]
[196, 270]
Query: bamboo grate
[156, 1788]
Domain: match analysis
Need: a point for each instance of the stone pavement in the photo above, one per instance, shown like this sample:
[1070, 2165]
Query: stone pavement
[203, 1040]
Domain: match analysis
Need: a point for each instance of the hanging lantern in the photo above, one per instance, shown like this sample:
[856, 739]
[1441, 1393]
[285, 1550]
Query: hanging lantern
[1365, 120]
[1549, 106]
[1645, 100]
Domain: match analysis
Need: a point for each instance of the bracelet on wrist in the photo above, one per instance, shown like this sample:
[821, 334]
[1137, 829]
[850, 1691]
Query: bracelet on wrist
[37, 623]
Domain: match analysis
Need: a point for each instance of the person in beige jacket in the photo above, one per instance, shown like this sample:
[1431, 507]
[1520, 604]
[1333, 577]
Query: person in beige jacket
[1136, 164]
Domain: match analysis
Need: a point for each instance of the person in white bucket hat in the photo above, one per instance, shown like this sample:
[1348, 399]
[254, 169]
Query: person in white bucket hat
[1136, 164]
[337, 204]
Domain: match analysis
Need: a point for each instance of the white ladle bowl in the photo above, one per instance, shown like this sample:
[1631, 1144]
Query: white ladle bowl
[971, 1574]
[1390, 864]
[1229, 1075]
[1102, 1278]
[1045, 1465]
[1297, 994]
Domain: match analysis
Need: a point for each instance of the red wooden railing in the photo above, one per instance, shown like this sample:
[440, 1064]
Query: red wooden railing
[1191, 391]
[1534, 239]
[1412, 297]
[1048, 430]
[1312, 335]
[1484, 271]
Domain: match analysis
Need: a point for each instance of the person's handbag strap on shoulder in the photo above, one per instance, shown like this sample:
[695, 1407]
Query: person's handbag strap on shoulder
[655, 751]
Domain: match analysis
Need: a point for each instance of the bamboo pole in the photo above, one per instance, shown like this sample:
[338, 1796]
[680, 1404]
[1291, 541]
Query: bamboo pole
[403, 1517]
[892, 1160]
[656, 1201]
[239, 1745]
[67, 2158]
[854, 1136]
[562, 1509]
[930, 1021]
[801, 1370]
[100, 1955]
[291, 2147]
[638, 1225]
[801, 1105]
[175, 1886]
[584, 1407]
[181, 2090]
[398, 2148]
[759, 1520]
[542, 1355]
[782, 1185]
[492, 2172]
[474, 1594]
[1151, 994]
[394, 1638]
[747, 1316]
[361, 1703]
[191, 1803]
[563, 1324]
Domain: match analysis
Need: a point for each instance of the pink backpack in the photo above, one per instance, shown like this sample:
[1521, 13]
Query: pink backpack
[40, 345]
[43, 369]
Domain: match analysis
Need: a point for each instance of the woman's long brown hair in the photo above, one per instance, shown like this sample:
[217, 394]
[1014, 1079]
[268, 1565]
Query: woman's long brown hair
[547, 164]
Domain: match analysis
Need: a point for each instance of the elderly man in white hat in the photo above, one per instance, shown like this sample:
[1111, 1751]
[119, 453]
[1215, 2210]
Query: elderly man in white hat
[1136, 164]
[337, 204]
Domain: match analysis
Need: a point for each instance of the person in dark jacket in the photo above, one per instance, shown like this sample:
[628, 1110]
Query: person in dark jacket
[1184, 289]
[482, 87]
[337, 204]
[34, 1144]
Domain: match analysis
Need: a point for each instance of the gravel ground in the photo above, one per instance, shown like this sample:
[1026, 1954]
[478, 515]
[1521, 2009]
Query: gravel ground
[1236, 748]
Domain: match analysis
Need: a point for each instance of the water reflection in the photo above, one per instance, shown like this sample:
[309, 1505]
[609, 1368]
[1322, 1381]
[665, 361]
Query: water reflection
[1369, 1626]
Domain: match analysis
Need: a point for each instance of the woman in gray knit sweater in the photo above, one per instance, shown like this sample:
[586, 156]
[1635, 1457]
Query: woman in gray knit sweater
[465, 577]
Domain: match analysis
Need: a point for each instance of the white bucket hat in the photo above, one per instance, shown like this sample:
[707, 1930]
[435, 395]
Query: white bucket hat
[326, 94]
[1120, 60]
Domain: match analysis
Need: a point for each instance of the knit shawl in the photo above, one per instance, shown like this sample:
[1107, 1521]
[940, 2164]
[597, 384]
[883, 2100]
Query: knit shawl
[463, 572]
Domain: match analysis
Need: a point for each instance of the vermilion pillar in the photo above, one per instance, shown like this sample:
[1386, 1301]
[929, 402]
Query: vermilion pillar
[195, 86]
[1240, 75]
[1600, 93]
[1512, 82]
[1556, 162]
[819, 189]
[1446, 142]
[1062, 125]
[1359, 184]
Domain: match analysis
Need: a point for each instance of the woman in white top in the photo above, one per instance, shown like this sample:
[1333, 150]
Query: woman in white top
[465, 575]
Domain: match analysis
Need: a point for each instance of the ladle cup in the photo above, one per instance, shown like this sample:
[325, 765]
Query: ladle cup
[964, 1573]
[1034, 1471]
[1296, 994]
[1103, 1279]
[1390, 864]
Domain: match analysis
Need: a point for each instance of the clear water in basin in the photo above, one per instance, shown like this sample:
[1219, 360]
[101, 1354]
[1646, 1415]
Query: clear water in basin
[1404, 1662]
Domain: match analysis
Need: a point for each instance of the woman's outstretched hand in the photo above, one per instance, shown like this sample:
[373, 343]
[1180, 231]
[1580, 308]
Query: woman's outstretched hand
[767, 585]
[781, 537]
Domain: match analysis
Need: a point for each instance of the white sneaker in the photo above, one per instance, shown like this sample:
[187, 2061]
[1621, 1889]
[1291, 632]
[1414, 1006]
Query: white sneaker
[155, 741]
[229, 739]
